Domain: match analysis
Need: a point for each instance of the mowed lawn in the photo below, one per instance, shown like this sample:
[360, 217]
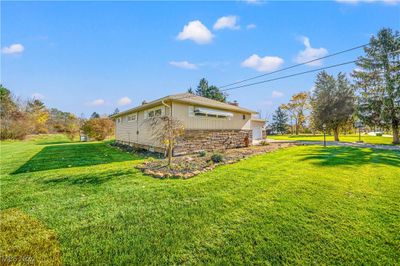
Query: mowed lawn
[342, 138]
[301, 205]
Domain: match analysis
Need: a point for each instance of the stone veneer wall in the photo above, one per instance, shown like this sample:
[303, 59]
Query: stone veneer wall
[210, 140]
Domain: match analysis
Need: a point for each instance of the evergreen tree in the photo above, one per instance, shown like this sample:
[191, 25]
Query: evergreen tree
[116, 111]
[94, 115]
[378, 82]
[279, 121]
[211, 92]
[332, 102]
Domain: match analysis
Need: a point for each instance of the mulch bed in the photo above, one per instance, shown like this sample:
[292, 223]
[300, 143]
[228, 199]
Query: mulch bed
[192, 165]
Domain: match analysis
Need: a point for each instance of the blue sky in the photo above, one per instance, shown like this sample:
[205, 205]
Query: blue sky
[95, 56]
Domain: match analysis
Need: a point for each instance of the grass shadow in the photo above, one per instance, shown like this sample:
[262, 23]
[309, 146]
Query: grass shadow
[342, 156]
[86, 179]
[74, 155]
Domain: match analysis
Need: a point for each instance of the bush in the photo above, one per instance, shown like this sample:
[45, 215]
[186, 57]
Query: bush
[202, 153]
[264, 143]
[379, 134]
[217, 157]
[98, 128]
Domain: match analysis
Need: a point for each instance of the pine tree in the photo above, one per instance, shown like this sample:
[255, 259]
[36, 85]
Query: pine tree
[279, 121]
[332, 102]
[211, 92]
[94, 115]
[378, 82]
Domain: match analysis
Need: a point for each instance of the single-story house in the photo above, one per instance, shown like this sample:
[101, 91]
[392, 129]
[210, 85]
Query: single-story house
[209, 124]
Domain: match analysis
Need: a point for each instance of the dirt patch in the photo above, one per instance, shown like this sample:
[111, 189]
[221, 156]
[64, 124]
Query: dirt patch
[192, 165]
[26, 241]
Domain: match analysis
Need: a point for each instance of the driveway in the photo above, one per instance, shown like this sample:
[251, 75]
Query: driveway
[336, 143]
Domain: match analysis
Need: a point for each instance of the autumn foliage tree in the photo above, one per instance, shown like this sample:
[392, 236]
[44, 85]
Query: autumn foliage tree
[297, 107]
[167, 129]
[98, 128]
[14, 120]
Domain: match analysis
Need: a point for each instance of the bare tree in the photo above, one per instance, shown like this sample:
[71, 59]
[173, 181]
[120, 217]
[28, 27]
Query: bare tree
[167, 130]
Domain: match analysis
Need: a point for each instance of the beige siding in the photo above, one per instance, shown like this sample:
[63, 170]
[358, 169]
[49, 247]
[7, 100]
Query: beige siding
[181, 112]
[137, 131]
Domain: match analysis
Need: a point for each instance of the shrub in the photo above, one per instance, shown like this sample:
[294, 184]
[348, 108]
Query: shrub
[98, 128]
[264, 143]
[202, 153]
[217, 157]
[379, 134]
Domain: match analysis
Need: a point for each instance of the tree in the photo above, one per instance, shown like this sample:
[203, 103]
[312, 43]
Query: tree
[94, 115]
[98, 128]
[167, 130]
[116, 111]
[72, 126]
[279, 121]
[297, 107]
[332, 102]
[378, 82]
[211, 92]
[39, 115]
[14, 121]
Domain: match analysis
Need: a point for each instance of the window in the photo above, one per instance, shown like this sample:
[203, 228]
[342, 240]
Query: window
[132, 117]
[119, 120]
[208, 112]
[244, 117]
[154, 113]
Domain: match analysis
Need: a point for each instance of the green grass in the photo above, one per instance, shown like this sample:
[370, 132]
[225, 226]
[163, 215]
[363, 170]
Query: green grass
[342, 138]
[302, 205]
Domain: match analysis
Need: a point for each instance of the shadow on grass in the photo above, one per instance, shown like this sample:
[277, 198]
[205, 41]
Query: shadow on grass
[74, 155]
[86, 179]
[336, 156]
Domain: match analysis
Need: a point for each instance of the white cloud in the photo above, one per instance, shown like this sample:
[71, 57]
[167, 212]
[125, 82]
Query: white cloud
[97, 102]
[277, 94]
[228, 22]
[355, 2]
[183, 64]
[124, 101]
[15, 48]
[37, 96]
[263, 64]
[310, 53]
[197, 32]
[251, 26]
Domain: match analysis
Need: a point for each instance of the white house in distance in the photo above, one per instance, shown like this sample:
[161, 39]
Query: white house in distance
[209, 124]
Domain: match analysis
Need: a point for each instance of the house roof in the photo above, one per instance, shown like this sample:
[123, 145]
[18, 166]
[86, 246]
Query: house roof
[188, 98]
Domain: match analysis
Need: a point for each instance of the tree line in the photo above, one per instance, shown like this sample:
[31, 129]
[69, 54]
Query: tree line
[20, 118]
[372, 96]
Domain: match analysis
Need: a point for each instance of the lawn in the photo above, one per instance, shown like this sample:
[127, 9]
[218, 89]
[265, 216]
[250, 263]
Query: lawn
[343, 138]
[85, 204]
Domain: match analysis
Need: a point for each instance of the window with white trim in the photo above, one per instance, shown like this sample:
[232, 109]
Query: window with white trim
[154, 112]
[132, 117]
[208, 112]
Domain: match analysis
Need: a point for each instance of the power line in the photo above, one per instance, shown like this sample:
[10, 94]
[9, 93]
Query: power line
[296, 65]
[291, 75]
[288, 76]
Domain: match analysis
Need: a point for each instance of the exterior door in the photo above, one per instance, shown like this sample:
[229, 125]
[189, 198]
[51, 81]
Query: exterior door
[257, 132]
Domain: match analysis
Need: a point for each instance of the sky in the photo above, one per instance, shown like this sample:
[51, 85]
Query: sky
[83, 57]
